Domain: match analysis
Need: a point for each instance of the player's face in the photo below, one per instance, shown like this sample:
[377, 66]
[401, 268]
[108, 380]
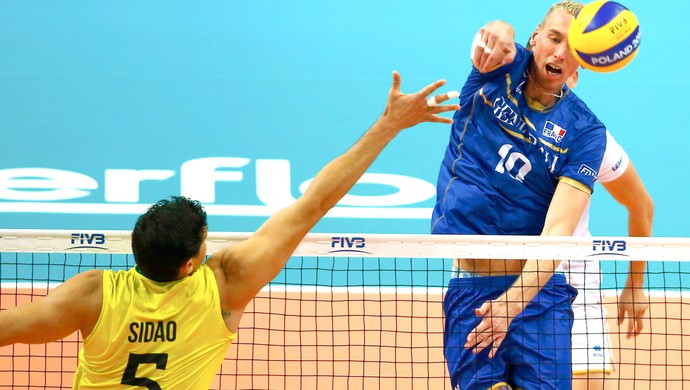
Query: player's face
[552, 59]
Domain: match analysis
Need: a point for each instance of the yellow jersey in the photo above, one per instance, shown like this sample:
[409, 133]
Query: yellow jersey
[155, 335]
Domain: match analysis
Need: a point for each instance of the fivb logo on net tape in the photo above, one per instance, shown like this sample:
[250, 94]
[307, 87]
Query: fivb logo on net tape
[344, 244]
[603, 247]
[80, 241]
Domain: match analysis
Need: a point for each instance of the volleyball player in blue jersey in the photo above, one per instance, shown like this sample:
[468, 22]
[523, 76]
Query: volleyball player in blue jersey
[522, 160]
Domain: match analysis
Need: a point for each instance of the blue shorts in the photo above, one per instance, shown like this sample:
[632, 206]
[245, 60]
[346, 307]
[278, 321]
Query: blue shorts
[536, 351]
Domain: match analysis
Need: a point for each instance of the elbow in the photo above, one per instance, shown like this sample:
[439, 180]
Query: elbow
[648, 209]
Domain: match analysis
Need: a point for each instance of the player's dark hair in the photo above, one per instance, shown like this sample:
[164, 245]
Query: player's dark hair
[169, 233]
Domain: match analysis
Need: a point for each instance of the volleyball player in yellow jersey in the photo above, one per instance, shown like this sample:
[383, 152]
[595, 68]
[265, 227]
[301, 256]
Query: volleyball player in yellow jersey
[168, 323]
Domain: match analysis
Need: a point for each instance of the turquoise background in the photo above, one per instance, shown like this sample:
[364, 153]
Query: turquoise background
[88, 86]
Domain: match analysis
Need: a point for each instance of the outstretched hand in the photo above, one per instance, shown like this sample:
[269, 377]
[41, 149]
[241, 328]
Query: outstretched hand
[407, 110]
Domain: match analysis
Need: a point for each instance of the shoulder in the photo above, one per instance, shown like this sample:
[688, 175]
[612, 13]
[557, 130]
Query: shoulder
[81, 297]
[86, 281]
[577, 116]
[578, 110]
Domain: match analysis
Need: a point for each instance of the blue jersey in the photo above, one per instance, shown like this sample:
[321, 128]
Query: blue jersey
[505, 156]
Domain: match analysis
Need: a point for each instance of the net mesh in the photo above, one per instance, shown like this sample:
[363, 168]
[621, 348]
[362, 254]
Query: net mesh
[339, 316]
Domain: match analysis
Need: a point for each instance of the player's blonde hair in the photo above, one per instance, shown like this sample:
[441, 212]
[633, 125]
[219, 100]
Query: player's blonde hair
[569, 6]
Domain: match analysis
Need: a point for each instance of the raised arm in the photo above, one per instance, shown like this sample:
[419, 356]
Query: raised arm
[74, 305]
[629, 191]
[248, 266]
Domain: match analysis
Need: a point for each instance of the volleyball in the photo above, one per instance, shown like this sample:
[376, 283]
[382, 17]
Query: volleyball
[604, 36]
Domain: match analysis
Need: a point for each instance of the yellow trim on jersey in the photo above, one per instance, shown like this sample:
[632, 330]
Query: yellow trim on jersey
[593, 371]
[554, 147]
[486, 101]
[534, 104]
[515, 134]
[529, 123]
[509, 82]
[576, 184]
[498, 385]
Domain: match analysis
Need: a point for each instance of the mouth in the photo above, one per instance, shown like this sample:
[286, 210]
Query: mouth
[553, 71]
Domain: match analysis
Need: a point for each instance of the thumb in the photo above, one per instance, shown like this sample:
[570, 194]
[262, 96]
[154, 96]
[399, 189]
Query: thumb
[483, 309]
[396, 82]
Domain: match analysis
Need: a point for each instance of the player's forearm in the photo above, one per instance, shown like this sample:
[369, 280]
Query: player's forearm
[340, 175]
[640, 220]
[636, 274]
[534, 276]
[24, 324]
[561, 220]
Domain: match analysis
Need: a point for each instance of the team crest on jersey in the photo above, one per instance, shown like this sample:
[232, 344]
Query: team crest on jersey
[553, 131]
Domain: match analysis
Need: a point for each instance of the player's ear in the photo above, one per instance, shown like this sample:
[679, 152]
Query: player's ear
[572, 81]
[186, 268]
[533, 37]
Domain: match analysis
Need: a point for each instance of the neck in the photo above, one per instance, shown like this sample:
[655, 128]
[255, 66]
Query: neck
[543, 95]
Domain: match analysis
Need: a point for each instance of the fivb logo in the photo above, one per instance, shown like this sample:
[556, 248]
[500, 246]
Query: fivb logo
[553, 131]
[348, 244]
[587, 170]
[609, 247]
[87, 241]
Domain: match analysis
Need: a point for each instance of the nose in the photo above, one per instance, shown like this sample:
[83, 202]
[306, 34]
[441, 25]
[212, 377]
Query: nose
[561, 52]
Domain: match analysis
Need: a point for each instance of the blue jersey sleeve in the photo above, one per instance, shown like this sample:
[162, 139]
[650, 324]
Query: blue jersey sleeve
[586, 156]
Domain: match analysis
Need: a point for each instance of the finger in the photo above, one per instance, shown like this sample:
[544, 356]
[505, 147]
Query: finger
[477, 343]
[477, 48]
[494, 349]
[440, 119]
[639, 325]
[429, 89]
[435, 100]
[631, 328]
[488, 44]
[446, 108]
[488, 53]
[476, 335]
[621, 314]
[473, 338]
[483, 309]
[396, 82]
[485, 342]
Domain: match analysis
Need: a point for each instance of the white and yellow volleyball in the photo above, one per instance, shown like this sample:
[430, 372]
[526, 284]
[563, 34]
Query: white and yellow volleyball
[604, 36]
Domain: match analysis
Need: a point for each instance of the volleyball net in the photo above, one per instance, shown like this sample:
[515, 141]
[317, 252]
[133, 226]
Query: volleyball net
[359, 311]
